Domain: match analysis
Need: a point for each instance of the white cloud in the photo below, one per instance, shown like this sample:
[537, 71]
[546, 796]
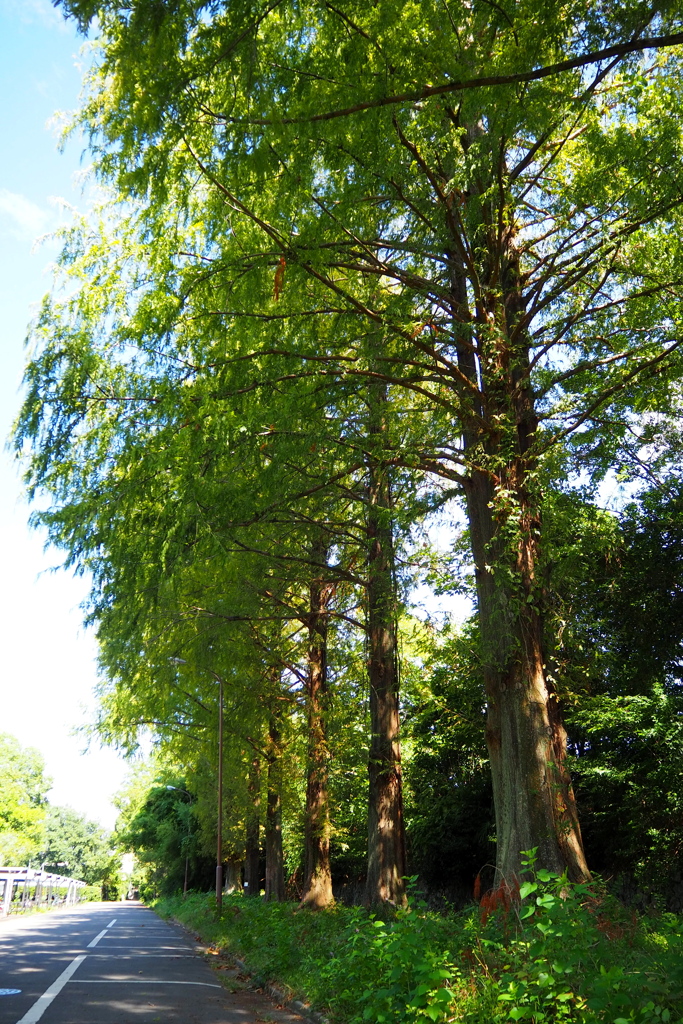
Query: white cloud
[20, 217]
[25, 221]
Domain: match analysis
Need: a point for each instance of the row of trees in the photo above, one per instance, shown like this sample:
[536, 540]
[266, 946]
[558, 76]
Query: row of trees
[33, 831]
[358, 266]
[616, 584]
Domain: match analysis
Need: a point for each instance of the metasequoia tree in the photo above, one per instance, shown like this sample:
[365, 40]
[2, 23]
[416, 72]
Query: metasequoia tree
[494, 188]
[275, 878]
[317, 890]
[164, 653]
[232, 547]
[386, 838]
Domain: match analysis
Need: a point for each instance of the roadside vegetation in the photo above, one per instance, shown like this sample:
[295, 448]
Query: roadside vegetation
[555, 951]
[35, 832]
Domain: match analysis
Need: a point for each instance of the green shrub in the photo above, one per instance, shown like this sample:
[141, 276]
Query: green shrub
[546, 952]
[569, 952]
[392, 970]
[111, 888]
[91, 894]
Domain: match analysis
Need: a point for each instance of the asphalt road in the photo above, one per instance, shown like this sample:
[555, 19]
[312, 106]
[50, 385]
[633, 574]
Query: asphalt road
[116, 963]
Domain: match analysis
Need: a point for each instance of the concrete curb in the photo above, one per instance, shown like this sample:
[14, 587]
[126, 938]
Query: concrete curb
[278, 994]
[257, 982]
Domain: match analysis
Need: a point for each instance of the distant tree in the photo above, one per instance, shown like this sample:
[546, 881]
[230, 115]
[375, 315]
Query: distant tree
[449, 805]
[625, 646]
[162, 831]
[75, 846]
[23, 805]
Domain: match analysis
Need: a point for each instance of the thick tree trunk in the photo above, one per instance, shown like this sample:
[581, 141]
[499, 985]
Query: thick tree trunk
[533, 796]
[275, 877]
[252, 875]
[386, 837]
[318, 876]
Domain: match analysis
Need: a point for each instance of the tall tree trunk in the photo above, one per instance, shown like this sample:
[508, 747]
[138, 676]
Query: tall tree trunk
[275, 877]
[533, 796]
[317, 890]
[386, 838]
[232, 881]
[252, 875]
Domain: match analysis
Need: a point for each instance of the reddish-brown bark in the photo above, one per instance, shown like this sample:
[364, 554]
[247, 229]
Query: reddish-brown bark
[275, 879]
[317, 891]
[386, 837]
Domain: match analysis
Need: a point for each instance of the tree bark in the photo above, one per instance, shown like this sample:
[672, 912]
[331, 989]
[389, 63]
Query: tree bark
[275, 877]
[386, 838]
[317, 891]
[533, 795]
[252, 875]
[233, 876]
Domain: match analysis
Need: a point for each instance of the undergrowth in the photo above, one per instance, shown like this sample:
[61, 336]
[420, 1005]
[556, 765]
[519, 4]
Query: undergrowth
[547, 951]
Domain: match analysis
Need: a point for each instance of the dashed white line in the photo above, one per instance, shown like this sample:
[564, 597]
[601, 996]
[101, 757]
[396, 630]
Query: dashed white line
[102, 933]
[42, 1002]
[33, 1015]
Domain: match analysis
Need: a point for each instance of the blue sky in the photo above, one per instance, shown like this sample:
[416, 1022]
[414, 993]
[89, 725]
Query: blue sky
[47, 666]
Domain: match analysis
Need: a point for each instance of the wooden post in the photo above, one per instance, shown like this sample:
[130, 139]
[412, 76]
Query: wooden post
[219, 840]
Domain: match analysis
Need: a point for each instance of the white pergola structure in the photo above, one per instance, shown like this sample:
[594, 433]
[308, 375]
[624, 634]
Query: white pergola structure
[44, 884]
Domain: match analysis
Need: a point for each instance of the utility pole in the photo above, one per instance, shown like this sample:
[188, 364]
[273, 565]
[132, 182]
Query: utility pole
[219, 841]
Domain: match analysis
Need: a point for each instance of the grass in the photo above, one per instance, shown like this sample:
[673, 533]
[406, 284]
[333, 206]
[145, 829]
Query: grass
[550, 952]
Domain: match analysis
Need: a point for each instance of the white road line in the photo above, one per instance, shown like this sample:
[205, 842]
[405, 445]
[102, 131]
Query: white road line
[96, 939]
[42, 1002]
[111, 923]
[134, 981]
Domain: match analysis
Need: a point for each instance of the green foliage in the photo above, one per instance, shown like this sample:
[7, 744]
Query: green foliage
[113, 886]
[75, 846]
[110, 889]
[308, 202]
[576, 955]
[91, 894]
[23, 805]
[161, 829]
[59, 838]
[617, 581]
[392, 970]
[281, 942]
[354, 964]
[553, 951]
[449, 808]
